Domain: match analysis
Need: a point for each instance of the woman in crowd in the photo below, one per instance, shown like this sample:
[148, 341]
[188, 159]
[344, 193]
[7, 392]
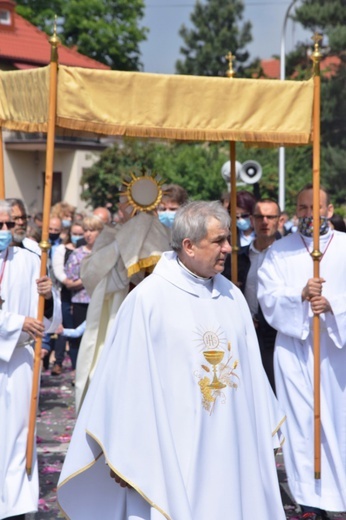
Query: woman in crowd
[92, 226]
[62, 254]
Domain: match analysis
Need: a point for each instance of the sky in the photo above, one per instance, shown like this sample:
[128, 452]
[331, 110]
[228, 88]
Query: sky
[165, 17]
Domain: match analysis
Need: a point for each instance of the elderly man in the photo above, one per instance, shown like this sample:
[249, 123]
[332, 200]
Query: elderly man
[289, 296]
[20, 285]
[180, 412]
[20, 219]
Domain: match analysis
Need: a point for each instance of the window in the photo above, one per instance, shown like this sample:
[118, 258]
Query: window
[5, 17]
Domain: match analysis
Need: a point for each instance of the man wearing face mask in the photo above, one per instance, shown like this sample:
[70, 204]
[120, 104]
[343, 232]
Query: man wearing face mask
[174, 197]
[289, 296]
[55, 227]
[20, 285]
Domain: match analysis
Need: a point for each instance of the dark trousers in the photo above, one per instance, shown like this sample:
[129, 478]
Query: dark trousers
[79, 312]
[266, 336]
[60, 342]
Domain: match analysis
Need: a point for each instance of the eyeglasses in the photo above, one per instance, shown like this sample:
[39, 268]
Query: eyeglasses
[20, 217]
[262, 217]
[9, 225]
[242, 215]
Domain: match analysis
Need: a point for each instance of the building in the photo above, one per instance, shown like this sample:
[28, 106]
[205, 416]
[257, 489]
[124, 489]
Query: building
[23, 46]
[270, 69]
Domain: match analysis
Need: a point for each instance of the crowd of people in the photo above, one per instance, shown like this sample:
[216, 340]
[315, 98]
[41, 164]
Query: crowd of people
[186, 383]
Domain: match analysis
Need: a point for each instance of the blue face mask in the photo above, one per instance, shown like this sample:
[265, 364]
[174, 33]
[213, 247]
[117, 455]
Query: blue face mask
[5, 239]
[243, 224]
[75, 238]
[66, 223]
[167, 218]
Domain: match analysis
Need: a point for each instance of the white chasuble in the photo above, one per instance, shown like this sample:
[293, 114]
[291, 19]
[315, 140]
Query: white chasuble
[285, 271]
[18, 491]
[179, 407]
[106, 274]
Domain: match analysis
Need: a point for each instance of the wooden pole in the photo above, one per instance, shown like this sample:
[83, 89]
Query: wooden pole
[316, 254]
[233, 210]
[2, 169]
[233, 192]
[44, 244]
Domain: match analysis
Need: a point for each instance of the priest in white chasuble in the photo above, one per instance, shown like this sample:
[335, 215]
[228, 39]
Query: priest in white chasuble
[20, 286]
[289, 296]
[179, 421]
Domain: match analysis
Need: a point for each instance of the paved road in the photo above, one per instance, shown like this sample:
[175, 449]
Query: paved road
[54, 428]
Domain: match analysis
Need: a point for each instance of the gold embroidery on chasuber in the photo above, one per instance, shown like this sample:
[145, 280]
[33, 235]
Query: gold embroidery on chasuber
[219, 373]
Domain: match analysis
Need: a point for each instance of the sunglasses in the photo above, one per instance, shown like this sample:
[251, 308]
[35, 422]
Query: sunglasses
[9, 225]
[242, 215]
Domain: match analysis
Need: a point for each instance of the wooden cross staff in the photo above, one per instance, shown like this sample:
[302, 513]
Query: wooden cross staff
[44, 244]
[316, 254]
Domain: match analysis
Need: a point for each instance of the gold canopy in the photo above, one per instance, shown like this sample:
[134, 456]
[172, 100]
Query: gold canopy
[160, 106]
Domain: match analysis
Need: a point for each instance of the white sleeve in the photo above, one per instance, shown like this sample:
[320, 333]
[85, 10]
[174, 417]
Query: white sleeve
[58, 263]
[282, 304]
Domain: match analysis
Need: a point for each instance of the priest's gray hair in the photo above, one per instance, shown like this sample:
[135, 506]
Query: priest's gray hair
[192, 220]
[5, 207]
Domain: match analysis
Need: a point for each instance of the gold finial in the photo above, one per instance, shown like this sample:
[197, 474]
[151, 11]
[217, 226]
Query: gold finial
[55, 42]
[316, 55]
[230, 72]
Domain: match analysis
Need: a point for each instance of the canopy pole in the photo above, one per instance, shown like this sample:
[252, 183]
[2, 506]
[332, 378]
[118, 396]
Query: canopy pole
[316, 253]
[233, 210]
[233, 191]
[2, 169]
[44, 244]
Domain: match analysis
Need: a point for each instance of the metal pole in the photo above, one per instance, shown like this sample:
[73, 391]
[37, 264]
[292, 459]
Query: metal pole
[283, 76]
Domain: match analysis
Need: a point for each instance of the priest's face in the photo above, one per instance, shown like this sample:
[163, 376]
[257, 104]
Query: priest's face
[207, 257]
[305, 204]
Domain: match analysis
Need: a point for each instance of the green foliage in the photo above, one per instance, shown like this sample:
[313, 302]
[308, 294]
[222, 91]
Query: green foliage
[216, 32]
[298, 171]
[105, 30]
[195, 167]
[329, 19]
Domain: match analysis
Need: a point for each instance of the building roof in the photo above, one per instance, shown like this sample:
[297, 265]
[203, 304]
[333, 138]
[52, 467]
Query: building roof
[25, 46]
[328, 67]
[271, 68]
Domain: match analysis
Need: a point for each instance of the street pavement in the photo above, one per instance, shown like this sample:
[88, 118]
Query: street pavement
[55, 424]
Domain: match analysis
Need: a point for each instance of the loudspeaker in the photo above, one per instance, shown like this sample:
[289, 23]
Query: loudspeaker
[250, 172]
[226, 171]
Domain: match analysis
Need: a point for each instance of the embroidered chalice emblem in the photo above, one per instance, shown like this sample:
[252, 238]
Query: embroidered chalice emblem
[222, 373]
[214, 357]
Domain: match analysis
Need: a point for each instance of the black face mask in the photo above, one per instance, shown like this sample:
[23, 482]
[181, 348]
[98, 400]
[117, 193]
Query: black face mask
[54, 236]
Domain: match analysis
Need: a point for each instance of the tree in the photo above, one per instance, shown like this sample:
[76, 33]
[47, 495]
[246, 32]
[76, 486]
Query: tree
[217, 31]
[105, 30]
[196, 167]
[329, 19]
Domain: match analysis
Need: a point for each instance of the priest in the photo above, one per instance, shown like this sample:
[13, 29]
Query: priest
[20, 285]
[289, 296]
[179, 421]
